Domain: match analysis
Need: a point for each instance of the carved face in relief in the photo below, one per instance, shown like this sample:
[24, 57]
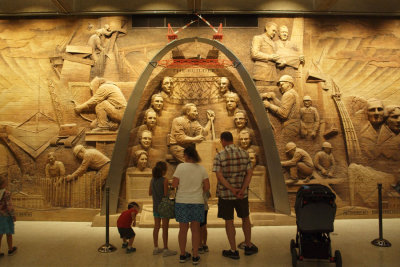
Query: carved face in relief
[157, 103]
[145, 140]
[231, 103]
[151, 119]
[285, 86]
[271, 30]
[142, 161]
[244, 139]
[393, 121]
[51, 158]
[253, 157]
[240, 120]
[223, 85]
[283, 33]
[192, 113]
[307, 103]
[327, 150]
[167, 85]
[375, 113]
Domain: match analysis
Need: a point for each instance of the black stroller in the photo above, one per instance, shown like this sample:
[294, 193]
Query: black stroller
[315, 213]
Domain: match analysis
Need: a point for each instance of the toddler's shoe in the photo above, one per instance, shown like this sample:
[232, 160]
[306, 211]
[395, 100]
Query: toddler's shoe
[125, 245]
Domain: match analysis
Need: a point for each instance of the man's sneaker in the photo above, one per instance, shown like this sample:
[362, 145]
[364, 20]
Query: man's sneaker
[157, 251]
[195, 260]
[130, 250]
[229, 254]
[250, 250]
[125, 245]
[184, 258]
[12, 251]
[201, 250]
[205, 248]
[167, 252]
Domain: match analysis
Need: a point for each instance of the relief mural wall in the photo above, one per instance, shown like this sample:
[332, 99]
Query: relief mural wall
[330, 87]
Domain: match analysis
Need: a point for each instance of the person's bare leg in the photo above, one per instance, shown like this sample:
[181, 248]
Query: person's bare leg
[195, 227]
[231, 233]
[182, 236]
[165, 225]
[246, 226]
[156, 230]
[1, 237]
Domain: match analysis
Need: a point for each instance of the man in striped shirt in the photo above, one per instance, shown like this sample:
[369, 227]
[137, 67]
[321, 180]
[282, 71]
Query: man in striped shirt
[233, 169]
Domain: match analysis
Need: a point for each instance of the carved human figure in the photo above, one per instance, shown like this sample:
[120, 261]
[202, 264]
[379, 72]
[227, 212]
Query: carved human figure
[389, 138]
[92, 159]
[371, 130]
[187, 131]
[299, 163]
[232, 102]
[263, 53]
[54, 168]
[223, 86]
[245, 141]
[157, 103]
[309, 119]
[141, 160]
[96, 45]
[167, 87]
[240, 120]
[289, 54]
[286, 109]
[145, 139]
[324, 161]
[108, 102]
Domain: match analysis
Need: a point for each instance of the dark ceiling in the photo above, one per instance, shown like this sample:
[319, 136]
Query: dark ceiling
[115, 7]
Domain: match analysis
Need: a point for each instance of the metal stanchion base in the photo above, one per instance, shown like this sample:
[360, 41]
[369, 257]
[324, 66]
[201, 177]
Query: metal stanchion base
[381, 242]
[107, 248]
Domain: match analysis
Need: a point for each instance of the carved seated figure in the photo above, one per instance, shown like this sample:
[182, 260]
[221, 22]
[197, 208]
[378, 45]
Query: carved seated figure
[108, 102]
[324, 161]
[309, 119]
[299, 163]
[187, 131]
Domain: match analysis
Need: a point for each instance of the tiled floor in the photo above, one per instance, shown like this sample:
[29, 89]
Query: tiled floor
[76, 244]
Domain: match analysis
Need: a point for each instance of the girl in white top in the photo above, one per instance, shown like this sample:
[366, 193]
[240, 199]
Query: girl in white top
[191, 180]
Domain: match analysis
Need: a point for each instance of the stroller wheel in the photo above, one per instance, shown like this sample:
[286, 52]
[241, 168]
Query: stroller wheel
[338, 258]
[293, 251]
[292, 244]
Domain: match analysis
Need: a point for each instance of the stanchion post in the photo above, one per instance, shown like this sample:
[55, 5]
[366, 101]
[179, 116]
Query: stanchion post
[380, 242]
[107, 247]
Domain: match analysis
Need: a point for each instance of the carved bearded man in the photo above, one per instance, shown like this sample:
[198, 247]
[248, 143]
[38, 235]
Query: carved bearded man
[187, 131]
